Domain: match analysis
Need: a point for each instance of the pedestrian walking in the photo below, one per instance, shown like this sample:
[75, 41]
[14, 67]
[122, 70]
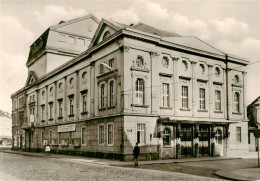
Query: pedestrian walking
[136, 153]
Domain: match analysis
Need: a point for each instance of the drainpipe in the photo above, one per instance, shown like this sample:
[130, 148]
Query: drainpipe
[227, 97]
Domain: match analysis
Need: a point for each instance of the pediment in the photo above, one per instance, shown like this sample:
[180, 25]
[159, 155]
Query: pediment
[31, 78]
[104, 30]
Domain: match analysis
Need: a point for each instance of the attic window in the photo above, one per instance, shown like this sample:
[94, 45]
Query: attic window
[106, 35]
[62, 38]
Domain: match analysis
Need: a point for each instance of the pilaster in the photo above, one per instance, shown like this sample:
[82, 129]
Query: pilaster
[194, 89]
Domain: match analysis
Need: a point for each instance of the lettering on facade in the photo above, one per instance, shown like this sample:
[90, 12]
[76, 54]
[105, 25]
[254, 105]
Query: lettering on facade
[66, 128]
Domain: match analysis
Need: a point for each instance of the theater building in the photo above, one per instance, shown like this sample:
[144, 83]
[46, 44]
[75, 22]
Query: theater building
[175, 95]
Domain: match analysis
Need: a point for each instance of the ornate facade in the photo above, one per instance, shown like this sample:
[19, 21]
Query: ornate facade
[174, 95]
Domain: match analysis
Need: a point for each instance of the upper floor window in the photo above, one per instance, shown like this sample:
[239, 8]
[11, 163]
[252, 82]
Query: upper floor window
[238, 134]
[139, 91]
[236, 102]
[43, 112]
[84, 75]
[166, 136]
[51, 110]
[184, 97]
[217, 71]
[71, 104]
[106, 35]
[202, 99]
[102, 96]
[111, 63]
[185, 65]
[84, 102]
[140, 61]
[101, 68]
[165, 95]
[217, 100]
[165, 61]
[111, 93]
[236, 79]
[51, 91]
[60, 107]
[202, 67]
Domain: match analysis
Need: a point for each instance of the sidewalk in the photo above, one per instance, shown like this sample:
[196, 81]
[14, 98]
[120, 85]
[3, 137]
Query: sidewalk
[239, 174]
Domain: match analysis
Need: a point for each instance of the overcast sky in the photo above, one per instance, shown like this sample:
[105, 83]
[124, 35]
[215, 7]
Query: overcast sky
[231, 26]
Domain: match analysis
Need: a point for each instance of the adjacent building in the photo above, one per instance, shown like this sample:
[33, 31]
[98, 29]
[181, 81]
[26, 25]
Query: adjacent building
[175, 95]
[5, 129]
[253, 113]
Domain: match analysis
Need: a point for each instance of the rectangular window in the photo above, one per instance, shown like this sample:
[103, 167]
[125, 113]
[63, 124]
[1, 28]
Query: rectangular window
[110, 134]
[81, 41]
[62, 38]
[51, 110]
[111, 63]
[217, 101]
[42, 136]
[236, 102]
[84, 102]
[141, 133]
[71, 108]
[59, 137]
[60, 108]
[43, 112]
[101, 134]
[101, 69]
[83, 136]
[50, 136]
[111, 93]
[102, 96]
[202, 99]
[184, 97]
[71, 40]
[139, 91]
[165, 95]
[238, 134]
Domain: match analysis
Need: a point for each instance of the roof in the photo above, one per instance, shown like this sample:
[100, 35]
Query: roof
[252, 103]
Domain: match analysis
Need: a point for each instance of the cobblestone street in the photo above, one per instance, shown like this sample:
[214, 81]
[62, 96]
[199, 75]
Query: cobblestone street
[19, 167]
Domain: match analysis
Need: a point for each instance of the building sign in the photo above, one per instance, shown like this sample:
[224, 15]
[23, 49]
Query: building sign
[66, 128]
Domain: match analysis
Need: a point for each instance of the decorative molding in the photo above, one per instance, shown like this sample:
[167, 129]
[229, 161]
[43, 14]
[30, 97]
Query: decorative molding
[124, 48]
[185, 78]
[175, 58]
[202, 80]
[153, 54]
[236, 85]
[165, 74]
[139, 69]
[218, 83]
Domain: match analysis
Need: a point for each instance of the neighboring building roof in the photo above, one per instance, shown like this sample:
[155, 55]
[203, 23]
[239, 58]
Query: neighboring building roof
[5, 114]
[252, 103]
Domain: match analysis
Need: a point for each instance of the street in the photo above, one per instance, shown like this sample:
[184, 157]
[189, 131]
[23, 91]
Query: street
[19, 167]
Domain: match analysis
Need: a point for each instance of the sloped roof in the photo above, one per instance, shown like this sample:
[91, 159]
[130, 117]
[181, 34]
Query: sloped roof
[149, 29]
[252, 103]
[193, 42]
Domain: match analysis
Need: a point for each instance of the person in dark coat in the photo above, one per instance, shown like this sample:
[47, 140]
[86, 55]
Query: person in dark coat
[136, 153]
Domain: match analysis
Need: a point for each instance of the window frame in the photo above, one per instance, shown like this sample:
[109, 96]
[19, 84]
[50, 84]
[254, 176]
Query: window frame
[238, 134]
[83, 136]
[236, 102]
[217, 101]
[71, 105]
[168, 135]
[202, 98]
[140, 91]
[108, 134]
[184, 98]
[143, 131]
[60, 110]
[111, 92]
[165, 95]
[84, 102]
[101, 139]
[51, 111]
[102, 95]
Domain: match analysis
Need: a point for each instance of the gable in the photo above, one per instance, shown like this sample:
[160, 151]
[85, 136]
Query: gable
[31, 78]
[104, 26]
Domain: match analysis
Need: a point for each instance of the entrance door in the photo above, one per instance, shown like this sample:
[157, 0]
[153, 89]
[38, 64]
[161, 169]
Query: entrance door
[204, 148]
[186, 140]
[219, 142]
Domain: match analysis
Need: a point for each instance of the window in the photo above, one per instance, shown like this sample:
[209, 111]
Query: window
[184, 97]
[71, 80]
[59, 137]
[110, 134]
[140, 61]
[71, 102]
[80, 41]
[217, 71]
[141, 133]
[202, 99]
[71, 40]
[238, 134]
[84, 75]
[236, 102]
[139, 91]
[218, 137]
[83, 136]
[50, 136]
[106, 35]
[111, 63]
[102, 96]
[202, 67]
[43, 112]
[62, 38]
[185, 65]
[101, 134]
[111, 93]
[165, 95]
[51, 110]
[217, 100]
[42, 136]
[84, 102]
[60, 107]
[166, 136]
[101, 69]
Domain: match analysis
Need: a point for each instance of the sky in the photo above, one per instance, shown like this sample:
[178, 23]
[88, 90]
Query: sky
[230, 26]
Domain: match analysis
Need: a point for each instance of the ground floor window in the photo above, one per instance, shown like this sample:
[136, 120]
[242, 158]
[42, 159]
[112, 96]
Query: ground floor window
[83, 135]
[238, 134]
[110, 134]
[166, 136]
[42, 136]
[141, 133]
[101, 134]
[218, 137]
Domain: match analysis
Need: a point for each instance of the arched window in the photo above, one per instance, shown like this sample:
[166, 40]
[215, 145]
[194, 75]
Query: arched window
[102, 96]
[218, 137]
[111, 93]
[236, 102]
[84, 75]
[139, 91]
[166, 136]
[106, 35]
